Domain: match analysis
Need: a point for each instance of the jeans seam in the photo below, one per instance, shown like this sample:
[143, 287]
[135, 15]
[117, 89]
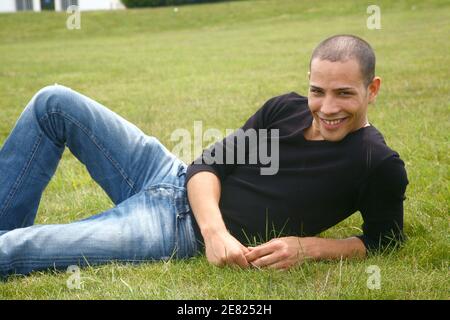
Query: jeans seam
[19, 179]
[177, 237]
[164, 185]
[26, 261]
[190, 244]
[91, 137]
[192, 238]
[67, 261]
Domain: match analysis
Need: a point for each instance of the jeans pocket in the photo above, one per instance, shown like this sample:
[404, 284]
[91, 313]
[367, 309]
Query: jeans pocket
[185, 237]
[185, 243]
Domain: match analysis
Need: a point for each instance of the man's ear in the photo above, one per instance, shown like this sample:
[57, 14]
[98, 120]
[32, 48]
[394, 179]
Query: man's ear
[373, 89]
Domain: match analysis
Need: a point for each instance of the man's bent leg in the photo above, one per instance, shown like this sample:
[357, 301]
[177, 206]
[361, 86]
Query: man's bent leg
[154, 224]
[116, 153]
[28, 160]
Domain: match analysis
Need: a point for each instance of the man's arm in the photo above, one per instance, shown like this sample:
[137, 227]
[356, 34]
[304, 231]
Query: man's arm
[381, 206]
[283, 253]
[220, 246]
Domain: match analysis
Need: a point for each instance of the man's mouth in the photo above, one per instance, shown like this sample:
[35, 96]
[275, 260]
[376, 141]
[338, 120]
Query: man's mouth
[333, 123]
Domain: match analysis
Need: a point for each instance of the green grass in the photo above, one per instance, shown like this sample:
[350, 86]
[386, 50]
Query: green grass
[218, 63]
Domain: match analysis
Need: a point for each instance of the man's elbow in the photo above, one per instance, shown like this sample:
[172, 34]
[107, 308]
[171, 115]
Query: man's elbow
[383, 244]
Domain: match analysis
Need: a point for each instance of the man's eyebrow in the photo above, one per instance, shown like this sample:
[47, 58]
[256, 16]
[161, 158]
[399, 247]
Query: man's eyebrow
[344, 88]
[337, 89]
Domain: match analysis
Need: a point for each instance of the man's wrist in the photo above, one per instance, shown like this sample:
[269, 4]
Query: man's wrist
[322, 248]
[209, 231]
[312, 247]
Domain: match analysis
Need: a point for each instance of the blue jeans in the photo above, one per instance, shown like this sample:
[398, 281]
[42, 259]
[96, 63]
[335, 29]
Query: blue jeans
[151, 219]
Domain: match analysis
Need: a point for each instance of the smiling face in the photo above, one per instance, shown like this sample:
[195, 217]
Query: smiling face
[338, 99]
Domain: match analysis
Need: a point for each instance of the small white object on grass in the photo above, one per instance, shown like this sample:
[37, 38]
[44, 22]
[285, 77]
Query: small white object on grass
[175, 9]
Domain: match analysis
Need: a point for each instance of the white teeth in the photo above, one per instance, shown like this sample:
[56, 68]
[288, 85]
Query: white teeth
[333, 122]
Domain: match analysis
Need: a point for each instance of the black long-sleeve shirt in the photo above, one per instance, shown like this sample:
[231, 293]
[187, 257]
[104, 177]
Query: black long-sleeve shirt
[318, 183]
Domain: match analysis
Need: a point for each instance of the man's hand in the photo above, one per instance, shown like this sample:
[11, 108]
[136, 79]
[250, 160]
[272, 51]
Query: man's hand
[281, 253]
[223, 249]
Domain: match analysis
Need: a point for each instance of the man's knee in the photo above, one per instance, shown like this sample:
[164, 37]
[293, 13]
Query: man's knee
[51, 98]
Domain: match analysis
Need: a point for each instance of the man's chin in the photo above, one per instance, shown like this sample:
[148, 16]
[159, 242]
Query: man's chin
[333, 136]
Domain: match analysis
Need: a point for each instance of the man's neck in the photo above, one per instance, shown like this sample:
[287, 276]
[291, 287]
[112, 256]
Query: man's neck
[313, 133]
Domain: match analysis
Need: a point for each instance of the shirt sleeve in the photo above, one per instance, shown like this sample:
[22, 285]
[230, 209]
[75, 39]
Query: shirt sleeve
[381, 205]
[207, 160]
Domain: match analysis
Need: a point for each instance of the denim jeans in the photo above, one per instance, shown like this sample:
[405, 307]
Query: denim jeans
[151, 219]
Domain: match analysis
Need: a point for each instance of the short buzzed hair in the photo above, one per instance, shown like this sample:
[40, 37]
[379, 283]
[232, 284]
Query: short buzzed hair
[343, 47]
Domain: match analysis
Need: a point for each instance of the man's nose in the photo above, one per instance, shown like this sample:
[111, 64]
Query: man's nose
[329, 106]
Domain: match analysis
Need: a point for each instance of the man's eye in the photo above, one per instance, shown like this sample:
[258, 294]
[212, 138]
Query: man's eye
[344, 93]
[316, 92]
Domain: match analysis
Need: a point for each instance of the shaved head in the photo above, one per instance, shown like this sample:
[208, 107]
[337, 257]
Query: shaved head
[345, 47]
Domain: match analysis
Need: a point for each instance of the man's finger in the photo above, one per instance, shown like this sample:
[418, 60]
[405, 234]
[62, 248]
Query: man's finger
[241, 261]
[258, 252]
[281, 265]
[266, 261]
[245, 249]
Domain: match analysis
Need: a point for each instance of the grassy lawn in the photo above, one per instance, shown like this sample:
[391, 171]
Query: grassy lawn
[217, 63]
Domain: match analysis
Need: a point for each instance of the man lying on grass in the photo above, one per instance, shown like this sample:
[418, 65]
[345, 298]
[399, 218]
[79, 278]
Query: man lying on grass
[332, 163]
